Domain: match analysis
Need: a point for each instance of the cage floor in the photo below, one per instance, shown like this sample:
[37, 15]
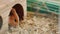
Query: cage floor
[40, 24]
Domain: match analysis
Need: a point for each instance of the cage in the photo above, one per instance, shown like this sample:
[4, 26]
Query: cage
[42, 10]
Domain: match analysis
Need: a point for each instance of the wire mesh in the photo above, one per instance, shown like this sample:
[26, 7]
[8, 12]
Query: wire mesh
[44, 5]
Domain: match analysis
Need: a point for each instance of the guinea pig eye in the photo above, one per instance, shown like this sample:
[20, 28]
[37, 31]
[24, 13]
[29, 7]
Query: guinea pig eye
[15, 20]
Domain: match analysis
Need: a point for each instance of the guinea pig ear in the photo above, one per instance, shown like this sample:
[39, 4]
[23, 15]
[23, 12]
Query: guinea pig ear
[1, 22]
[13, 10]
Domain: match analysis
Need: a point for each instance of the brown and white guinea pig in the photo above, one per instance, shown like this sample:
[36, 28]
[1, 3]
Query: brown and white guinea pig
[13, 18]
[16, 15]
